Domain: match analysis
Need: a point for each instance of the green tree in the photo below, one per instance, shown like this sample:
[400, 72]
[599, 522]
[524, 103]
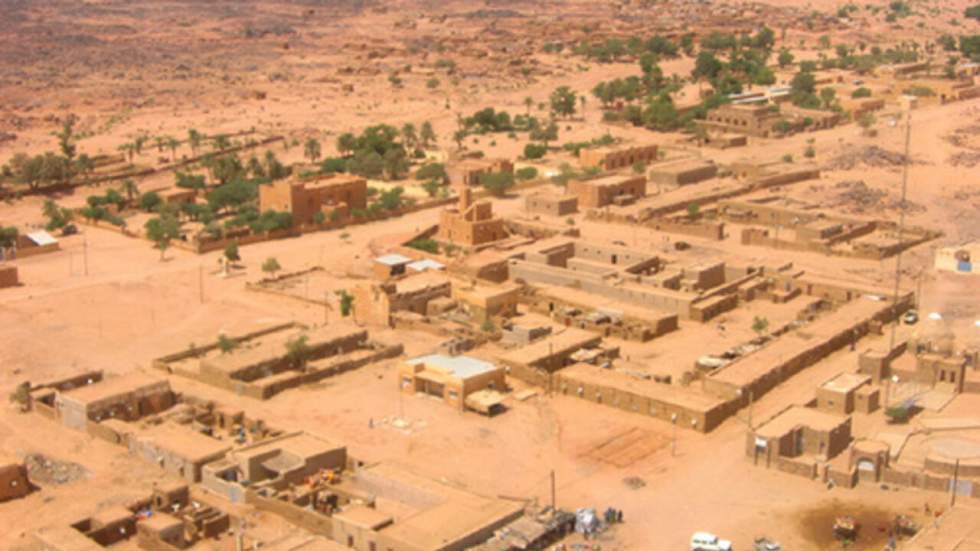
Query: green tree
[161, 231]
[427, 135]
[8, 236]
[226, 344]
[85, 165]
[346, 302]
[410, 136]
[66, 137]
[785, 58]
[271, 266]
[58, 217]
[563, 101]
[346, 143]
[194, 139]
[693, 210]
[396, 163]
[760, 325]
[298, 351]
[827, 96]
[231, 252]
[130, 189]
[497, 183]
[311, 150]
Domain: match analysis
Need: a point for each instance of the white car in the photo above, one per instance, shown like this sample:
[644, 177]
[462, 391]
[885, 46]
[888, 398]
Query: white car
[704, 541]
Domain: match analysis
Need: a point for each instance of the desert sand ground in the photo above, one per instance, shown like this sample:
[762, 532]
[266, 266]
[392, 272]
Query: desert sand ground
[106, 301]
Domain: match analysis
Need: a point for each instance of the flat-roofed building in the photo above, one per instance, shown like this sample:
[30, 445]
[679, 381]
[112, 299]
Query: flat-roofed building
[799, 431]
[470, 172]
[551, 204]
[615, 158]
[607, 190]
[453, 379]
[8, 276]
[14, 483]
[128, 397]
[303, 199]
[285, 459]
[749, 119]
[470, 223]
[178, 449]
[846, 393]
[679, 173]
[685, 408]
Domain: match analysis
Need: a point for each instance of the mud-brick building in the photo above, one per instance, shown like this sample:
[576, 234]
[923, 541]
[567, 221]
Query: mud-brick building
[8, 276]
[14, 483]
[128, 397]
[607, 190]
[748, 119]
[303, 199]
[799, 433]
[178, 449]
[470, 172]
[453, 379]
[470, 223]
[616, 158]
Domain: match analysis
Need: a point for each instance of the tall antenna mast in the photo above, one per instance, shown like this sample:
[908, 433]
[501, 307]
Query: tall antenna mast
[901, 226]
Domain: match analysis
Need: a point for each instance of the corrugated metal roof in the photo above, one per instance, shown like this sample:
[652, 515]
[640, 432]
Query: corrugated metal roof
[461, 366]
[393, 259]
[42, 238]
[426, 264]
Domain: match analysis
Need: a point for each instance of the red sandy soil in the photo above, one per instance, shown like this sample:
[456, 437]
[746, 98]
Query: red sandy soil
[107, 301]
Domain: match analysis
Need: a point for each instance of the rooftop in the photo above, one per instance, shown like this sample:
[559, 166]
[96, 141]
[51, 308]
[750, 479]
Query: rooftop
[183, 442]
[748, 369]
[300, 444]
[846, 382]
[799, 416]
[569, 340]
[462, 367]
[112, 387]
[669, 394]
[393, 259]
[611, 180]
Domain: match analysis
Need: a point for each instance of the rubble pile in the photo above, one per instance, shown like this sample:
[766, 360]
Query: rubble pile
[43, 470]
[872, 156]
[857, 196]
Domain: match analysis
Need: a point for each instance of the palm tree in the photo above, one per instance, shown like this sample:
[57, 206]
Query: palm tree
[128, 149]
[221, 142]
[427, 135]
[173, 144]
[312, 149]
[139, 142]
[161, 141]
[194, 138]
[85, 165]
[410, 136]
[130, 189]
[528, 103]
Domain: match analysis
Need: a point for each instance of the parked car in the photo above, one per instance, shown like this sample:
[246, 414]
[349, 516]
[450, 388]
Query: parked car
[766, 544]
[705, 541]
[911, 317]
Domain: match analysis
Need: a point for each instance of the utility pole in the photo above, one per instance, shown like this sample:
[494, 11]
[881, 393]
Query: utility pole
[554, 506]
[901, 228]
[956, 481]
[85, 252]
[673, 438]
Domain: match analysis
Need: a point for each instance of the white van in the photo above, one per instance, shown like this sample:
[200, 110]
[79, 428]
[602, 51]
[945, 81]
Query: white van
[704, 541]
